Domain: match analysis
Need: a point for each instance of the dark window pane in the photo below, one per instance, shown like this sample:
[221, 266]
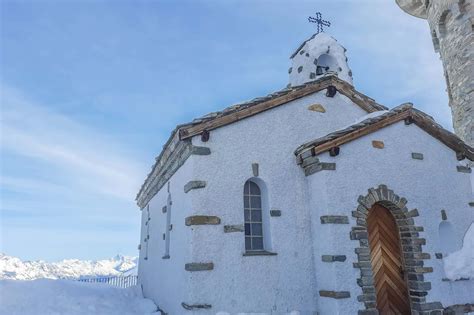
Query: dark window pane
[257, 215]
[247, 229]
[247, 215]
[255, 202]
[246, 202]
[254, 190]
[248, 243]
[257, 243]
[247, 188]
[257, 229]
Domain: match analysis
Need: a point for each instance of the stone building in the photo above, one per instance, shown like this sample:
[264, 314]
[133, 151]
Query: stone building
[451, 24]
[315, 199]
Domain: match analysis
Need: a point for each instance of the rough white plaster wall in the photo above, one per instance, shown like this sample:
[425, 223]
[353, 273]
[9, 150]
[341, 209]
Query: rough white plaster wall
[429, 185]
[164, 280]
[305, 60]
[276, 284]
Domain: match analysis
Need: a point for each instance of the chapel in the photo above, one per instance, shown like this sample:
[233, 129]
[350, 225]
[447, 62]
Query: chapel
[314, 199]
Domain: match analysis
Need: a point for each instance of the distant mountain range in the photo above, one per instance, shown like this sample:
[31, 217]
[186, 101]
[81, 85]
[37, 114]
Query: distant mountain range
[16, 269]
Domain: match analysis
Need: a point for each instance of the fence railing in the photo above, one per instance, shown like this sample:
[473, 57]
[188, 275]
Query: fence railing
[118, 281]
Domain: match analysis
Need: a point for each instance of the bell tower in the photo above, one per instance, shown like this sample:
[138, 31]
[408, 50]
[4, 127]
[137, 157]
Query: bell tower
[319, 56]
[451, 24]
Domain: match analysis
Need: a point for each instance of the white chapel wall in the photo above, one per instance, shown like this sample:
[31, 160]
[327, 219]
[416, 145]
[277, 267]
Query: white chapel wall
[430, 185]
[164, 280]
[263, 283]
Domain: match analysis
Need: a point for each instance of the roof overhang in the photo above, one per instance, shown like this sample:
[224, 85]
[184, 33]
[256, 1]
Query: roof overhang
[239, 112]
[404, 112]
[178, 146]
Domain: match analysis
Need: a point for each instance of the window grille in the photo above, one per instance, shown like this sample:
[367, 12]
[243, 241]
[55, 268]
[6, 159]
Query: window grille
[253, 217]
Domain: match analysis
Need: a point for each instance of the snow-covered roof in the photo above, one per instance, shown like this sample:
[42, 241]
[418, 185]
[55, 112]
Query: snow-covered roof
[382, 120]
[174, 147]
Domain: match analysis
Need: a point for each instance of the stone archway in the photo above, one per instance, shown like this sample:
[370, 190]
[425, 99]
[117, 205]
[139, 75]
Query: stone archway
[411, 244]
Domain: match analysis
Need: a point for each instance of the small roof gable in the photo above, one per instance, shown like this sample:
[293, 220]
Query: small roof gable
[403, 112]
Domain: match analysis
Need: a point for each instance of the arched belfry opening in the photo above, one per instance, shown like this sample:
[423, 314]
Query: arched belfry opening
[390, 256]
[326, 63]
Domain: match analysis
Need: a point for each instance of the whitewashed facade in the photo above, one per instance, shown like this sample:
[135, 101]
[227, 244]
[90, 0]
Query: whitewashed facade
[192, 201]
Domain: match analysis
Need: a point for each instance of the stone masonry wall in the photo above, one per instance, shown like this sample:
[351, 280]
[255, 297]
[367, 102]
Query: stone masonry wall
[451, 23]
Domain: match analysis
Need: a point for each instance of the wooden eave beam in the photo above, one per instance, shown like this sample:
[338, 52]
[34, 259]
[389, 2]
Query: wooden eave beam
[359, 133]
[425, 124]
[252, 110]
[445, 137]
[345, 89]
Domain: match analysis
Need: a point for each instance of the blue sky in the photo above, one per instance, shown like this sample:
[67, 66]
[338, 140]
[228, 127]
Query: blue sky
[90, 91]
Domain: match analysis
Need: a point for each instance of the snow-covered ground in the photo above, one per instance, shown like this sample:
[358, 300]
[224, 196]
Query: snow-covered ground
[15, 268]
[47, 296]
[460, 264]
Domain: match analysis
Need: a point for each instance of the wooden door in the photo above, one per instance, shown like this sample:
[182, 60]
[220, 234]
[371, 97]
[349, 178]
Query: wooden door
[387, 263]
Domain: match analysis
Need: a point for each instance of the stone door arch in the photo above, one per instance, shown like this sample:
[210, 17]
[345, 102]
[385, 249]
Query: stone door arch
[411, 247]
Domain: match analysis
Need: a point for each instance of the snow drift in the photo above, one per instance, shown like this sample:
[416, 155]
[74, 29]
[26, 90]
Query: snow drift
[16, 269]
[46, 296]
[460, 264]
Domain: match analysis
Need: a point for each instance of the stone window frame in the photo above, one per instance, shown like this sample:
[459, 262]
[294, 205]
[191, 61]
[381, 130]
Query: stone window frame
[411, 244]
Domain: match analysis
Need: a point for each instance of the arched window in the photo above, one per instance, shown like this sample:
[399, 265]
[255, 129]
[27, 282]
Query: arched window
[253, 218]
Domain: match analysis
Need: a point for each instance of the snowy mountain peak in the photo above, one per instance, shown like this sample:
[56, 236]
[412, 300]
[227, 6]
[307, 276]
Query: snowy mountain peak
[15, 268]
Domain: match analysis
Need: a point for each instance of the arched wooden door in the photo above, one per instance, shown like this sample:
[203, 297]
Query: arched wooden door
[387, 262]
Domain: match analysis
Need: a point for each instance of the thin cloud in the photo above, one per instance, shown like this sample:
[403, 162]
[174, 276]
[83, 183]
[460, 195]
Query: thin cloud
[84, 156]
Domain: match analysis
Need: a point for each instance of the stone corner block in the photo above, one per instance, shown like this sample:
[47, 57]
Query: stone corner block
[378, 144]
[417, 156]
[333, 258]
[317, 108]
[464, 169]
[334, 219]
[202, 220]
[197, 150]
[199, 266]
[317, 167]
[427, 306]
[255, 169]
[335, 294]
[275, 213]
[194, 184]
[233, 228]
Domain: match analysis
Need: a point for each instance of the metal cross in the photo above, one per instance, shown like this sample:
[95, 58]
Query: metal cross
[319, 22]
